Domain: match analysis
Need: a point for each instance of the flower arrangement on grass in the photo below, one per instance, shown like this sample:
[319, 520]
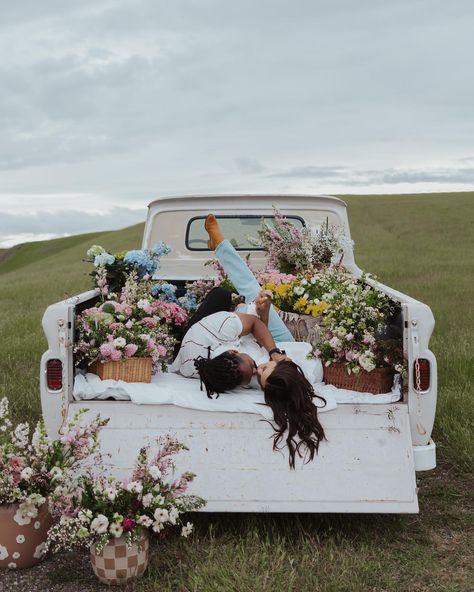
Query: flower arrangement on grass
[129, 324]
[106, 507]
[294, 250]
[34, 469]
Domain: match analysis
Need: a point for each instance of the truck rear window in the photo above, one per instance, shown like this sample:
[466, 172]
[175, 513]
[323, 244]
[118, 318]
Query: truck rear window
[237, 229]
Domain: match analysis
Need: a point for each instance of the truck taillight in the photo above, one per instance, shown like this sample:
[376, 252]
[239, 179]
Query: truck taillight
[54, 375]
[421, 374]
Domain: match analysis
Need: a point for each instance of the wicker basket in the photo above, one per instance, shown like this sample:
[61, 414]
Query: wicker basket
[131, 370]
[376, 382]
[302, 327]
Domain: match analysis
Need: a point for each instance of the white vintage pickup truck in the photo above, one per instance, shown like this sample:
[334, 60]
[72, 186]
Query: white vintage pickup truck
[372, 452]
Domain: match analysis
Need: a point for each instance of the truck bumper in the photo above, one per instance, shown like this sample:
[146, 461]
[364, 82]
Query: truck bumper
[425, 456]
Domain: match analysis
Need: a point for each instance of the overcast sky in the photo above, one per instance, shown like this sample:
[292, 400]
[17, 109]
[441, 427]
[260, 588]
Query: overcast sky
[105, 105]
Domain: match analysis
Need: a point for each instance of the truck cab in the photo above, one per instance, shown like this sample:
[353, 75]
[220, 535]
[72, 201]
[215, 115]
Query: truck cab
[372, 452]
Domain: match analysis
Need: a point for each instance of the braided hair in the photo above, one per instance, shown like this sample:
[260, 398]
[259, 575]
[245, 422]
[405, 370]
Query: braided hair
[219, 374]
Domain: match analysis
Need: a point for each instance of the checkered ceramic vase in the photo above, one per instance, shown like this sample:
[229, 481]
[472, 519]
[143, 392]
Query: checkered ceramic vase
[117, 564]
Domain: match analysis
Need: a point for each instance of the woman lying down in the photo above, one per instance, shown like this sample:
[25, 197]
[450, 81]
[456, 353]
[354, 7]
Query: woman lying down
[230, 349]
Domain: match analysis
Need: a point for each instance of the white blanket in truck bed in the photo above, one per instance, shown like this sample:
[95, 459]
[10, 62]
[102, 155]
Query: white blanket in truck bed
[174, 389]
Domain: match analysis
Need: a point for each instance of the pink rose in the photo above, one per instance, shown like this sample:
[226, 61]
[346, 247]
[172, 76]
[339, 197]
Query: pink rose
[106, 350]
[161, 350]
[115, 355]
[129, 324]
[16, 463]
[349, 356]
[150, 344]
[130, 349]
[149, 322]
[128, 523]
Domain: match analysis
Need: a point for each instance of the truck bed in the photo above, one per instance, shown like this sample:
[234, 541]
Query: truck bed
[366, 464]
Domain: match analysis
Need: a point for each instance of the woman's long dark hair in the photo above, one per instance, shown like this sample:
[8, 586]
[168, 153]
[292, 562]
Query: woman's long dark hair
[290, 396]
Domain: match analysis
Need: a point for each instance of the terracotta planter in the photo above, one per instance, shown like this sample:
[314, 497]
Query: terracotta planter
[303, 327]
[22, 541]
[117, 564]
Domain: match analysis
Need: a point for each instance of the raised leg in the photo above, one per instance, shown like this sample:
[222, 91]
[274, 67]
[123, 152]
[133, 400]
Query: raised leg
[248, 287]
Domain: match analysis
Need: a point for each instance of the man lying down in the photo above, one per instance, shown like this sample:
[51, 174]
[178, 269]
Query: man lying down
[230, 349]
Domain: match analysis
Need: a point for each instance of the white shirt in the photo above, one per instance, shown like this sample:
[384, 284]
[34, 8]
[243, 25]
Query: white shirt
[221, 332]
[209, 337]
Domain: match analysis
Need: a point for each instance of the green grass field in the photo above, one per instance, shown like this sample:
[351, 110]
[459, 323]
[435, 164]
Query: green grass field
[419, 244]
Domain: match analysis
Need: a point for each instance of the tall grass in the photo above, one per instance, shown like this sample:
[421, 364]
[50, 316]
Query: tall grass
[423, 245]
[33, 276]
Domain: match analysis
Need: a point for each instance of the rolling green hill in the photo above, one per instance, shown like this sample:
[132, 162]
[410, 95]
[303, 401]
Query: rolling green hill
[67, 248]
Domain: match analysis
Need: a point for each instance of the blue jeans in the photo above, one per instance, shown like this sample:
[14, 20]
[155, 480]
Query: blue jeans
[248, 287]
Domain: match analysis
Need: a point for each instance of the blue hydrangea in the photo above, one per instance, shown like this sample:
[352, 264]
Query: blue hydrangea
[103, 259]
[155, 290]
[188, 302]
[161, 249]
[166, 292]
[168, 289]
[142, 260]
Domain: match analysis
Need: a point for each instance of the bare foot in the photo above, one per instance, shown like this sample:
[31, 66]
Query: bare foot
[215, 235]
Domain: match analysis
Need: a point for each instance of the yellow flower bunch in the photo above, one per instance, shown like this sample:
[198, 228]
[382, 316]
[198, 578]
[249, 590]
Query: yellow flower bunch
[283, 290]
[282, 294]
[316, 309]
[286, 298]
[300, 304]
[303, 306]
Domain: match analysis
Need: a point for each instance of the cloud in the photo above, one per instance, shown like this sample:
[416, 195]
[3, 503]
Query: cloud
[65, 222]
[27, 237]
[351, 176]
[249, 166]
[393, 177]
[309, 172]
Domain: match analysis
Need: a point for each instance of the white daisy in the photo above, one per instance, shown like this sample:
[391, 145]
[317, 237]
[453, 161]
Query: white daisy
[147, 500]
[154, 472]
[161, 515]
[116, 529]
[145, 521]
[186, 530]
[100, 524]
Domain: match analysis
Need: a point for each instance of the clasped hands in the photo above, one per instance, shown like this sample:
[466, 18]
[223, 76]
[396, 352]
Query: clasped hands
[263, 301]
